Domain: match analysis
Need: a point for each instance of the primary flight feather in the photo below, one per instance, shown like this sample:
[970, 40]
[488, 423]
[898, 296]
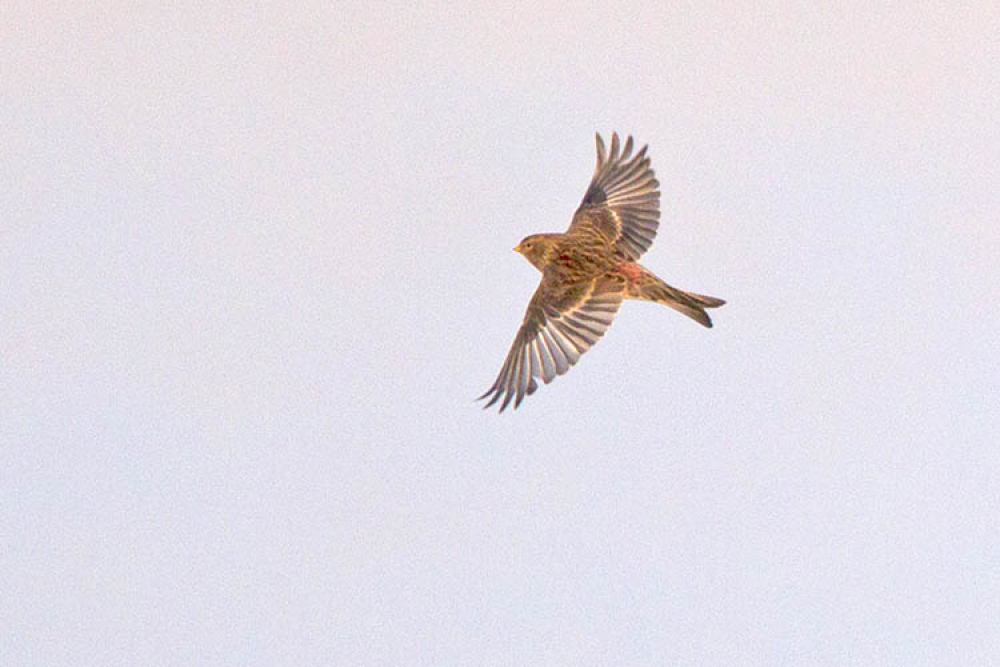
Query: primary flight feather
[587, 272]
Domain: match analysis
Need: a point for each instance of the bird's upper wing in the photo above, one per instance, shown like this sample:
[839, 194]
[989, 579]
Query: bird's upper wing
[623, 200]
[561, 323]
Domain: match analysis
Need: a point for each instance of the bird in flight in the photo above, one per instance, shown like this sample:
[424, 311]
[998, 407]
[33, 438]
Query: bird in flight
[587, 271]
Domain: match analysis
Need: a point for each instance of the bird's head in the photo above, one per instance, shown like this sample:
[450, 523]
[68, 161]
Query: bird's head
[537, 249]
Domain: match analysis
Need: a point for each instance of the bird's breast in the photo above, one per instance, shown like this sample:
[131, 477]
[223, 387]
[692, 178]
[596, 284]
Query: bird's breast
[580, 260]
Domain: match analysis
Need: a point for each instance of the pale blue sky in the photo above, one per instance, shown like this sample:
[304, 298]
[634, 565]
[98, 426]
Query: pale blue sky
[256, 263]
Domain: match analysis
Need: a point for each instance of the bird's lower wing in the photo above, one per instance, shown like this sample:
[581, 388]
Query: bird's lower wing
[561, 323]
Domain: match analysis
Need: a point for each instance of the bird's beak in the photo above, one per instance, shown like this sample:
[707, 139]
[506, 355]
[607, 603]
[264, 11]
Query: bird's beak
[517, 248]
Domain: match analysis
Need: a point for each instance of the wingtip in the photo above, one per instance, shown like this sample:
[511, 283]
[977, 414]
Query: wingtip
[493, 399]
[506, 401]
[495, 395]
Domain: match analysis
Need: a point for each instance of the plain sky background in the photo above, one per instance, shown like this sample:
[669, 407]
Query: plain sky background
[255, 264]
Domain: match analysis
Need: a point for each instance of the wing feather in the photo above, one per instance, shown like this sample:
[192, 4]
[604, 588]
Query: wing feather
[560, 325]
[622, 202]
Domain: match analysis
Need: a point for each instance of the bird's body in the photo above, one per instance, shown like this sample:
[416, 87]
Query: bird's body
[587, 272]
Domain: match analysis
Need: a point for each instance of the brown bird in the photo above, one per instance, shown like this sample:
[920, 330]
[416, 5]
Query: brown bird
[587, 271]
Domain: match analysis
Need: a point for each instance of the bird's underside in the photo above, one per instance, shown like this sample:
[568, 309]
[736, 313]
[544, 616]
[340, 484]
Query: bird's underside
[587, 272]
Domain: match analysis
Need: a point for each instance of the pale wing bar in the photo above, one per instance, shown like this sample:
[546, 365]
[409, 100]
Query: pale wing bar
[630, 191]
[550, 341]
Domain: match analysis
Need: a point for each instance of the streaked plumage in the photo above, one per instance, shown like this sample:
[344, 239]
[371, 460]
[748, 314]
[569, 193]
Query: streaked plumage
[587, 272]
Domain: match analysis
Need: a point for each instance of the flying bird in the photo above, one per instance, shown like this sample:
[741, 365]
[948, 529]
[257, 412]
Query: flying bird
[587, 271]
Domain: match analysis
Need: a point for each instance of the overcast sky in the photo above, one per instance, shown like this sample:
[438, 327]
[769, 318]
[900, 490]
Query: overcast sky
[255, 264]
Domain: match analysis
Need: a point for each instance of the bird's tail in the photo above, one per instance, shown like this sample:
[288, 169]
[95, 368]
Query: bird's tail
[651, 288]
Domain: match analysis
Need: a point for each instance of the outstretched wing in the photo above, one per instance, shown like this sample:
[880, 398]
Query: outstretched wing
[561, 323]
[623, 200]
